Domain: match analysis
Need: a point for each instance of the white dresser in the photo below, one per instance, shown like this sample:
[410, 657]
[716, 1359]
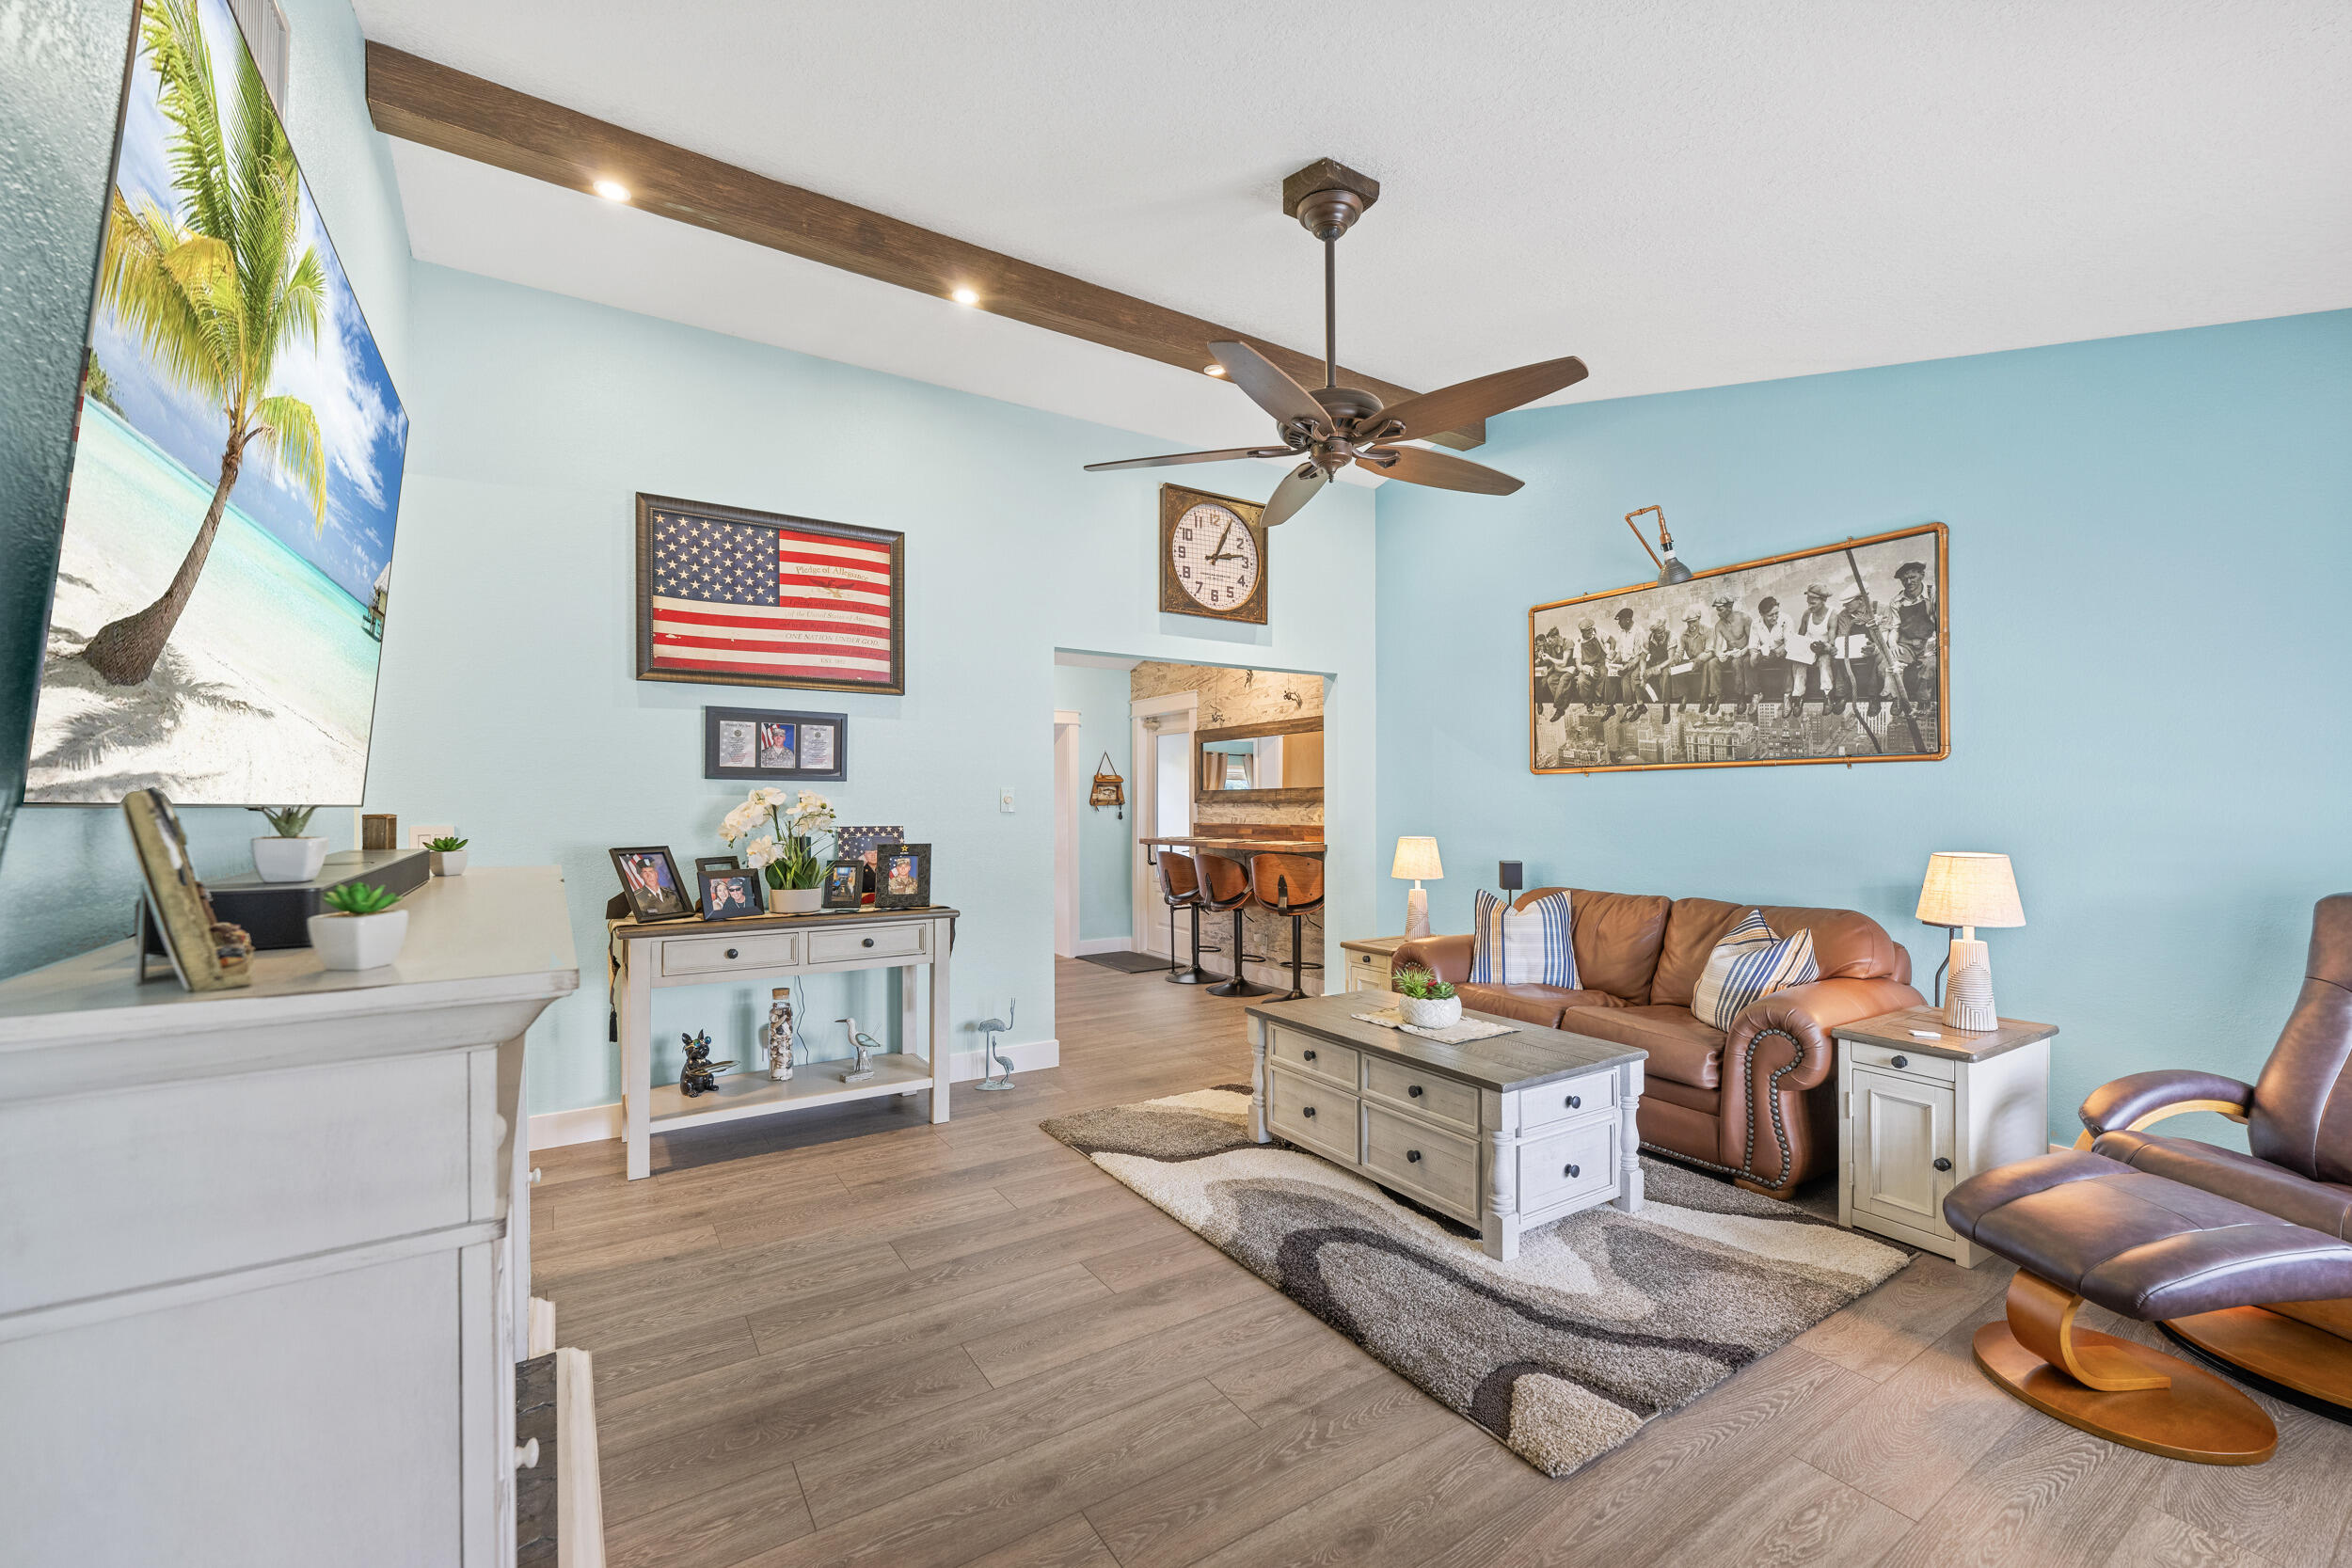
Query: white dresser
[258, 1291]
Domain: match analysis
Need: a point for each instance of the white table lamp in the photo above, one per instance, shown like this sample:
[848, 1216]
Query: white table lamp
[1966, 888]
[1416, 859]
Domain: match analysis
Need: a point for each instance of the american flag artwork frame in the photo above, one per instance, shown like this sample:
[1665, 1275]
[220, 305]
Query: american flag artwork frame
[724, 621]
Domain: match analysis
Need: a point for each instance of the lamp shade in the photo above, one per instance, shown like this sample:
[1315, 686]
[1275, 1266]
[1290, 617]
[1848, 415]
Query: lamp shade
[1969, 887]
[1417, 861]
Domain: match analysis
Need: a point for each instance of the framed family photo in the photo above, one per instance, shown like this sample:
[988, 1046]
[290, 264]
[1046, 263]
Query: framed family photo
[763, 744]
[1839, 653]
[650, 882]
[903, 875]
[731, 894]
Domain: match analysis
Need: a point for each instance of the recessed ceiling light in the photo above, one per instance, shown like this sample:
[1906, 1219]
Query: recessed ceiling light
[1216, 370]
[965, 296]
[612, 190]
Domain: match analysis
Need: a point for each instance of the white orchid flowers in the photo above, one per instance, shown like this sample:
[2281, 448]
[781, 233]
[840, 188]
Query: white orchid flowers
[784, 850]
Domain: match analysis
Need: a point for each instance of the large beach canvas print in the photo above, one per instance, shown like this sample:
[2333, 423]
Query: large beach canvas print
[222, 588]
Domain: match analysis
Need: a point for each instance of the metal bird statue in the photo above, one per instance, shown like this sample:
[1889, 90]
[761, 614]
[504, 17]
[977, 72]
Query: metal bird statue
[994, 1027]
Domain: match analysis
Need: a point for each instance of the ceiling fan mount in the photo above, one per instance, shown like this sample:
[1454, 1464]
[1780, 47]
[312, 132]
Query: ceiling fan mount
[1331, 426]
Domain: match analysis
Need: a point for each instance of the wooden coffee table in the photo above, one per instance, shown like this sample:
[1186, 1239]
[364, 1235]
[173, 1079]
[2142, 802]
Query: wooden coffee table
[1505, 1133]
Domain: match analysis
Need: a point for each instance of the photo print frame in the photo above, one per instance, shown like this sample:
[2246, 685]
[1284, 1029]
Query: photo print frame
[737, 894]
[859, 843]
[716, 862]
[650, 882]
[844, 887]
[768, 743]
[903, 875]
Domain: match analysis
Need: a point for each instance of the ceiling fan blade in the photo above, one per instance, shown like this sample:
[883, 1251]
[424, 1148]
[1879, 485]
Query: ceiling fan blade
[1467, 401]
[1443, 469]
[1228, 455]
[1292, 494]
[1269, 387]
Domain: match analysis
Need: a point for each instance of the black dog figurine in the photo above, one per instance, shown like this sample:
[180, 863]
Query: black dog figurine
[699, 1075]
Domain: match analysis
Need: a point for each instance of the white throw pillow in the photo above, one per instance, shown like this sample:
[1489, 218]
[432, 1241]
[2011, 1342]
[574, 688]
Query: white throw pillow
[1751, 962]
[1523, 947]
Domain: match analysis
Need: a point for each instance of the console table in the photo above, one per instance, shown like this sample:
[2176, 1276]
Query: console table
[1505, 1133]
[775, 947]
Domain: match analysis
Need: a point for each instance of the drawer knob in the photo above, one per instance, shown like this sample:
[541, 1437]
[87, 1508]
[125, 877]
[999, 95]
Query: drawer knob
[1307, 1110]
[1414, 1091]
[1413, 1156]
[730, 952]
[867, 942]
[1903, 1061]
[1573, 1171]
[1575, 1101]
[1942, 1163]
[1305, 1056]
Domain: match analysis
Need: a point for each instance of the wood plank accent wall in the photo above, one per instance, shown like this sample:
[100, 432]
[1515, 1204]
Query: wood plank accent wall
[419, 101]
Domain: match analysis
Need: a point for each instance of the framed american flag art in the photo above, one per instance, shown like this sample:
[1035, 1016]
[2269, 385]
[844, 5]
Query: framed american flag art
[731, 597]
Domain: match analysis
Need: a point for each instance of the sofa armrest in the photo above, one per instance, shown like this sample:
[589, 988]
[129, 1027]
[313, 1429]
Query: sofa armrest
[1809, 1013]
[1777, 1051]
[1447, 958]
[2138, 1099]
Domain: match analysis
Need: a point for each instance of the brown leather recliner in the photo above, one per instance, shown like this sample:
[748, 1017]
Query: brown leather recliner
[1758, 1101]
[2298, 1125]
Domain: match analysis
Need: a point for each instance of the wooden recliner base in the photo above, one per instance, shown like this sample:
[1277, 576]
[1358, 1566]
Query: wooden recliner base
[2113, 1388]
[2304, 1347]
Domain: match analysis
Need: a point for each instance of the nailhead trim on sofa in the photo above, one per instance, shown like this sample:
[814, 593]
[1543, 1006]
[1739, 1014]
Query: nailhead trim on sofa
[1780, 1131]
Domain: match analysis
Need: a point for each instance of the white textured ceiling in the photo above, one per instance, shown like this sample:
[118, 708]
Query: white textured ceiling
[1687, 194]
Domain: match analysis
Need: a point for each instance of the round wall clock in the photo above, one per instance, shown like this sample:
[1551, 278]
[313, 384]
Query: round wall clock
[1213, 558]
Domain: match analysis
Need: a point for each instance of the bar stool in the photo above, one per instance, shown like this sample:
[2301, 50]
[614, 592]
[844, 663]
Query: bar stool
[1290, 885]
[1225, 885]
[1180, 884]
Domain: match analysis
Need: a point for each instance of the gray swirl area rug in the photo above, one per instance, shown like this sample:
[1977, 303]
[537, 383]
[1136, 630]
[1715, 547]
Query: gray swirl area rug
[1604, 1322]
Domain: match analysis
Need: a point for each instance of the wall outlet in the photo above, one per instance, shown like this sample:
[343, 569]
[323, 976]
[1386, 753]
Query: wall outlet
[1004, 801]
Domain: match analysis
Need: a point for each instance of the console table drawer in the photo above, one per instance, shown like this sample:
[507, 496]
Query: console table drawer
[717, 954]
[1581, 1159]
[1309, 1054]
[1306, 1111]
[1420, 1156]
[1918, 1063]
[1569, 1097]
[871, 941]
[1424, 1093]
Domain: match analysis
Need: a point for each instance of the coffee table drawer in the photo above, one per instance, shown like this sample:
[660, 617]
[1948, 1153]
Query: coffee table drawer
[1308, 1053]
[717, 954]
[1306, 1111]
[873, 941]
[1424, 1093]
[1413, 1155]
[1567, 1099]
[1574, 1162]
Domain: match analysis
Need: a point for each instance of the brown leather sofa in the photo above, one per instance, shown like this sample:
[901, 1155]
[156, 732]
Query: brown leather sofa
[1758, 1102]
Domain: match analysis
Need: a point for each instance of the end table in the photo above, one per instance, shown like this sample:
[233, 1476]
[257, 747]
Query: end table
[1922, 1105]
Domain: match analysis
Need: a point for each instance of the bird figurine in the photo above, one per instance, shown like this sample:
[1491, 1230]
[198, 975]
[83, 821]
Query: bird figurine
[866, 1046]
[992, 1027]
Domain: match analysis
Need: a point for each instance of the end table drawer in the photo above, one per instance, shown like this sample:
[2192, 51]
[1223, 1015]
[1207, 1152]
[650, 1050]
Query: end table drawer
[717, 954]
[1581, 1159]
[1422, 1093]
[1418, 1156]
[871, 941]
[1569, 1098]
[1896, 1059]
[1309, 1113]
[1370, 966]
[1307, 1053]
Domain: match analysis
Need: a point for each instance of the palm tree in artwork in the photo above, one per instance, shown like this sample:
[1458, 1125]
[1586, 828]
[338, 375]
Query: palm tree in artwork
[213, 291]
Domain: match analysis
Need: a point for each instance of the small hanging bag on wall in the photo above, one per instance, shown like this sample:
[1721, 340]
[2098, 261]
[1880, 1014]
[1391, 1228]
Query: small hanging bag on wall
[1107, 791]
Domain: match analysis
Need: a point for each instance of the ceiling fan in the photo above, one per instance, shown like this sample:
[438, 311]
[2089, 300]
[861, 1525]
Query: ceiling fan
[1332, 425]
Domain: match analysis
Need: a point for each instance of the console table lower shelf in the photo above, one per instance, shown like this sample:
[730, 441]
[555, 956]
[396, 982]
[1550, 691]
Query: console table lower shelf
[1506, 1133]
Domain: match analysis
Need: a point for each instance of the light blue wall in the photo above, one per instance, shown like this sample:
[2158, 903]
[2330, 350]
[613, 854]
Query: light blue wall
[1105, 837]
[349, 169]
[2151, 551]
[509, 705]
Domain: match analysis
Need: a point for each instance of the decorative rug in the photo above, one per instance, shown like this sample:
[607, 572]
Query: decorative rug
[1604, 1322]
[1126, 963]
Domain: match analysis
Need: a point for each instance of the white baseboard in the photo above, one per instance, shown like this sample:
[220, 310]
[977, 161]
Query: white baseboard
[597, 1123]
[1102, 944]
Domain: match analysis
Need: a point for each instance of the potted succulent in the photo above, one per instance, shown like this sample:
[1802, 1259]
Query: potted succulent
[363, 932]
[287, 855]
[449, 855]
[1424, 1001]
[787, 853]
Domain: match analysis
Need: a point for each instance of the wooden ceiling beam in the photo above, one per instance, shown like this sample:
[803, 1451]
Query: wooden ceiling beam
[419, 101]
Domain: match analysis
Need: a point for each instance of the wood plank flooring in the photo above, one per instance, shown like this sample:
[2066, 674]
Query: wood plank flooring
[853, 1337]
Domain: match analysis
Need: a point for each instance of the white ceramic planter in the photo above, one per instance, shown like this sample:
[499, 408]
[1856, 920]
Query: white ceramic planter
[358, 940]
[795, 901]
[1424, 1014]
[451, 862]
[288, 860]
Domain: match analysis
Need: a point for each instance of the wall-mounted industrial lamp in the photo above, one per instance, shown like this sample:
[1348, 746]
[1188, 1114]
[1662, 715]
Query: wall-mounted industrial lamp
[1670, 571]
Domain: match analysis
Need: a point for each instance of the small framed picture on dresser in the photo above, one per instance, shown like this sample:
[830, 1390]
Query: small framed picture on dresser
[903, 875]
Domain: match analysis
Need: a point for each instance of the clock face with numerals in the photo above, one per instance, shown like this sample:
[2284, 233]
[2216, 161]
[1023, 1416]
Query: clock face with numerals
[1212, 560]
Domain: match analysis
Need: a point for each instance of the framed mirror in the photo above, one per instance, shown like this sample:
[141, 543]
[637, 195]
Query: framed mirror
[1272, 764]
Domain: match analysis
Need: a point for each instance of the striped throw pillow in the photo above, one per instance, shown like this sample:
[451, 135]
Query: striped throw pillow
[1748, 963]
[1518, 947]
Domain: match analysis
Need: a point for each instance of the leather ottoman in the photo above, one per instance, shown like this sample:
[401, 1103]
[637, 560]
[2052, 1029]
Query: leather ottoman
[2082, 1227]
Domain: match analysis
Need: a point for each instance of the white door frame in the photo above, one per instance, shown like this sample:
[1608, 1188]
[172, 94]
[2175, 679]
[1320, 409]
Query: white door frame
[1177, 714]
[1067, 764]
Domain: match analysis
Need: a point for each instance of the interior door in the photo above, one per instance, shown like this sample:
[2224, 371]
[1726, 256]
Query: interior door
[1163, 802]
[1901, 1128]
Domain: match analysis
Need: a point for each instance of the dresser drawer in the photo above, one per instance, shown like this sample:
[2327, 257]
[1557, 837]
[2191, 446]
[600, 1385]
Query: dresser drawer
[1567, 1099]
[1308, 1053]
[1315, 1114]
[870, 942]
[1444, 1167]
[1574, 1162]
[717, 954]
[1896, 1059]
[1424, 1093]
